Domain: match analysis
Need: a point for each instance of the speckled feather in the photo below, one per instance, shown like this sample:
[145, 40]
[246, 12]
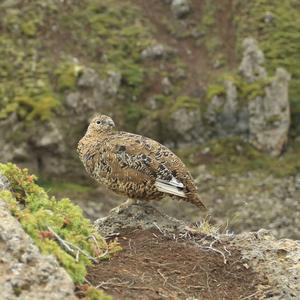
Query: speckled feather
[131, 164]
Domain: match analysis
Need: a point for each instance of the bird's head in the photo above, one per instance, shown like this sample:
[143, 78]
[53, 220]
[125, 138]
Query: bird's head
[101, 123]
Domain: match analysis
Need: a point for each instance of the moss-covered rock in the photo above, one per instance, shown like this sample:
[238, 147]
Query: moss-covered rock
[43, 217]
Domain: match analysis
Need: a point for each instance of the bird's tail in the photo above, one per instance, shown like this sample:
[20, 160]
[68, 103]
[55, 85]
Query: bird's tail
[196, 200]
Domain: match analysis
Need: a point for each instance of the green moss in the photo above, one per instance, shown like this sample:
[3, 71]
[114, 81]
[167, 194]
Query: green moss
[215, 90]
[249, 91]
[31, 205]
[95, 294]
[67, 75]
[40, 108]
[29, 28]
[185, 102]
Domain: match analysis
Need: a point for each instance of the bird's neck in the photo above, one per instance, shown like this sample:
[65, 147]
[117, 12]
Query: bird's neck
[90, 138]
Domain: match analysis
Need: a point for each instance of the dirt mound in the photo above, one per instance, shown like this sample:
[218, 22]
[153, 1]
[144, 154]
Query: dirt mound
[154, 266]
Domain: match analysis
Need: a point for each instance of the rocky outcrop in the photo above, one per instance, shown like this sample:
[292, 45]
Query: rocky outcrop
[275, 262]
[269, 119]
[262, 113]
[24, 272]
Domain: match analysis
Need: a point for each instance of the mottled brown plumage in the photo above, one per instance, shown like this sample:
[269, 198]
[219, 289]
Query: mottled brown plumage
[134, 165]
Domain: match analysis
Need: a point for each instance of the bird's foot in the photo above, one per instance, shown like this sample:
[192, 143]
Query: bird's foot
[124, 205]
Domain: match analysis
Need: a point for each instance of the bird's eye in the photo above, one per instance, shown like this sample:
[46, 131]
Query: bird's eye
[98, 122]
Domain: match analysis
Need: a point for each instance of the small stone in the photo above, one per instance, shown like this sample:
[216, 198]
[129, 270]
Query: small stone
[154, 52]
[4, 183]
[180, 8]
[166, 86]
[268, 17]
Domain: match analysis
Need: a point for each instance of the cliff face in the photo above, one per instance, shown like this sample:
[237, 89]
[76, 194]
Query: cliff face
[170, 72]
[160, 257]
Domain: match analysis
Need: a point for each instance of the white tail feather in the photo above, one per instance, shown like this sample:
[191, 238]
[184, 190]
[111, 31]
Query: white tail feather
[167, 188]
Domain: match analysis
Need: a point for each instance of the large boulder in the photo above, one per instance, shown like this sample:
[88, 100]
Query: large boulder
[269, 120]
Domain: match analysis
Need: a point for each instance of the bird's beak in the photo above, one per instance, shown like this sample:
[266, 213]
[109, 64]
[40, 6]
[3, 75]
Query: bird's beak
[111, 123]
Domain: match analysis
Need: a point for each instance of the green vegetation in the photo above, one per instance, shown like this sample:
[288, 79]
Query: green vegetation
[67, 74]
[95, 294]
[31, 205]
[215, 90]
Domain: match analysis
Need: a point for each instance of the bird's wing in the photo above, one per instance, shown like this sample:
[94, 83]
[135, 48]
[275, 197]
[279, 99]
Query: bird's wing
[129, 153]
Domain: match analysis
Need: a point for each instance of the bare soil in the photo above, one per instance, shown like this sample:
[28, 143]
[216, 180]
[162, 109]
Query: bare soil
[153, 266]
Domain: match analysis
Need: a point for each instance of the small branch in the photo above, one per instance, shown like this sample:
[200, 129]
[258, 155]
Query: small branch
[163, 276]
[62, 242]
[70, 248]
[158, 228]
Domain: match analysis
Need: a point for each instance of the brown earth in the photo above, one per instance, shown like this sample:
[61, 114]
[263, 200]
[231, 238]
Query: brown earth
[154, 266]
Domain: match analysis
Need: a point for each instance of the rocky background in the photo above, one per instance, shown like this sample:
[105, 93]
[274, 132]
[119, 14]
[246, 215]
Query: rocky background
[216, 81]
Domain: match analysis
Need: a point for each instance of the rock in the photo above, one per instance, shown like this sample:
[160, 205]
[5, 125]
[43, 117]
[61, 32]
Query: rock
[154, 52]
[268, 17]
[113, 82]
[264, 120]
[88, 78]
[270, 116]
[251, 67]
[73, 99]
[48, 136]
[275, 262]
[186, 126]
[25, 273]
[4, 183]
[166, 85]
[140, 215]
[225, 114]
[180, 8]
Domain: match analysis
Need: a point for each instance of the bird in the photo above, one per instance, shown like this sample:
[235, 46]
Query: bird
[134, 165]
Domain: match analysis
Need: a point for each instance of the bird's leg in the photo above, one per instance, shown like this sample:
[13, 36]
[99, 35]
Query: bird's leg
[124, 205]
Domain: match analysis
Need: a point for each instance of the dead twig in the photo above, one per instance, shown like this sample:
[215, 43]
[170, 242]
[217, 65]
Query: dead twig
[210, 247]
[159, 229]
[111, 282]
[70, 248]
[163, 276]
[250, 296]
